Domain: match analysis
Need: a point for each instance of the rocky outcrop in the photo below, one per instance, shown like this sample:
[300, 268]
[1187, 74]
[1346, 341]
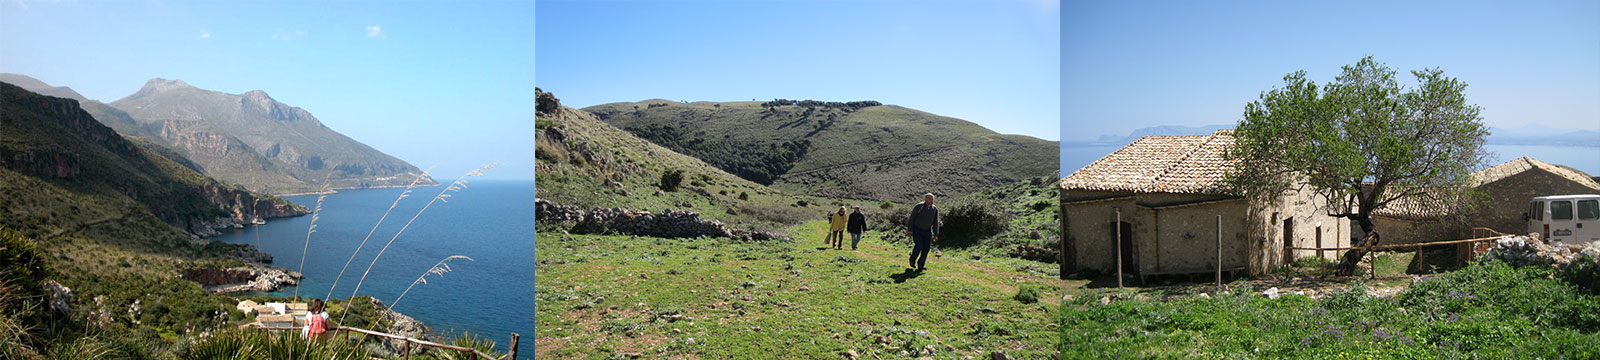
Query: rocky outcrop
[59, 298]
[1529, 250]
[668, 224]
[258, 278]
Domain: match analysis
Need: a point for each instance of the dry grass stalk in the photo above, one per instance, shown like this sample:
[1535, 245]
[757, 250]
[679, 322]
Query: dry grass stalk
[322, 193]
[460, 183]
[439, 269]
[403, 195]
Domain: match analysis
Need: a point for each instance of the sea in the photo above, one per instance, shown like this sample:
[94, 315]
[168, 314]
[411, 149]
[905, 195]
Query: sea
[1075, 156]
[490, 296]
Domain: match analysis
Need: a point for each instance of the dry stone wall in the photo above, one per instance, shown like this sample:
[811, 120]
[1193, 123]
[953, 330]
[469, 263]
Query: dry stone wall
[667, 224]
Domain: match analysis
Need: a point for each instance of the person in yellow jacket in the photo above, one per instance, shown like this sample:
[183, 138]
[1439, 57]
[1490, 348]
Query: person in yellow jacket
[836, 225]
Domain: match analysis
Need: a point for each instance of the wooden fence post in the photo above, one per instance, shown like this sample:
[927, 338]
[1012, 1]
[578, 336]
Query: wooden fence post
[513, 354]
[1117, 228]
[405, 350]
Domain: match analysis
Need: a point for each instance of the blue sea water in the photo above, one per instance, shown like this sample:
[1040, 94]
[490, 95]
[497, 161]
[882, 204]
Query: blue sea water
[489, 221]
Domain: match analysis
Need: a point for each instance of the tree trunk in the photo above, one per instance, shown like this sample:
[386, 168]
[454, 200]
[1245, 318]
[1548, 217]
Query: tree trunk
[1347, 265]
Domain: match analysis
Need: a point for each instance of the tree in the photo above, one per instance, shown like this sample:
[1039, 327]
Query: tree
[1362, 143]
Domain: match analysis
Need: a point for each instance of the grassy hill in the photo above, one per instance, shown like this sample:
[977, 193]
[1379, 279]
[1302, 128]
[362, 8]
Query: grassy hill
[857, 150]
[583, 161]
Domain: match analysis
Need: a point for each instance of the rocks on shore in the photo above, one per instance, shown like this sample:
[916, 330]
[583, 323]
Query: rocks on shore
[242, 279]
[668, 224]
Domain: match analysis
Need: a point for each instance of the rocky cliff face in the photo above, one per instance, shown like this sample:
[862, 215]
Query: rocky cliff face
[258, 278]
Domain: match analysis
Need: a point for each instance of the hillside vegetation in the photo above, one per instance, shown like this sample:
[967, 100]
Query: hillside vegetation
[586, 162]
[856, 150]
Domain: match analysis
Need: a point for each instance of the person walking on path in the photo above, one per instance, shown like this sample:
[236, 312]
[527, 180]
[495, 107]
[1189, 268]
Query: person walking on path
[923, 227]
[857, 225]
[836, 228]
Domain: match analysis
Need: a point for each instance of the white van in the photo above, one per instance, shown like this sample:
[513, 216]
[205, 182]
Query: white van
[1565, 219]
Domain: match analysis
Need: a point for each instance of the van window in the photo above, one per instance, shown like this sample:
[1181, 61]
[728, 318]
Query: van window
[1538, 211]
[1560, 210]
[1588, 209]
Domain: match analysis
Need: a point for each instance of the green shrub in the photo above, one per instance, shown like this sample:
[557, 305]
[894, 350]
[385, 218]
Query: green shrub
[967, 221]
[1584, 274]
[886, 205]
[1027, 294]
[744, 196]
[671, 179]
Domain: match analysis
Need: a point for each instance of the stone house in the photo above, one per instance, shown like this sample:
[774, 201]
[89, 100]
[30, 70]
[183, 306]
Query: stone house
[1506, 188]
[1169, 191]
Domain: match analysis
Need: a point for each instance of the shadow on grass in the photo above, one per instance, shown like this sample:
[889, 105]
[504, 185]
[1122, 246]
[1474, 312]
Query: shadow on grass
[908, 274]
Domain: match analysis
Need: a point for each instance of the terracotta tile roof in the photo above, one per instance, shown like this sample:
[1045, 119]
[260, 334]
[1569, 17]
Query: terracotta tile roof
[1169, 164]
[1417, 208]
[1513, 167]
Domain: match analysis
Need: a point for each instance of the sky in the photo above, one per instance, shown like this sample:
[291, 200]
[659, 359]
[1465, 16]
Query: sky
[995, 63]
[1128, 65]
[445, 85]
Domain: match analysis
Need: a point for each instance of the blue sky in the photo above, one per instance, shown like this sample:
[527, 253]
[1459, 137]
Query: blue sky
[1128, 65]
[433, 84]
[995, 63]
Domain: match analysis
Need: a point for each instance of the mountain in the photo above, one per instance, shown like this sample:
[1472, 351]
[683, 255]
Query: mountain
[859, 150]
[1538, 134]
[67, 175]
[248, 139]
[1163, 130]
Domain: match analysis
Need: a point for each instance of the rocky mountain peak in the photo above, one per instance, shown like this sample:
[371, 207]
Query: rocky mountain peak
[159, 84]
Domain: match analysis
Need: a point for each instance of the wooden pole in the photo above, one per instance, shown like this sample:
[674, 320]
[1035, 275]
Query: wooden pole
[405, 350]
[513, 354]
[1219, 254]
[1117, 228]
[1068, 251]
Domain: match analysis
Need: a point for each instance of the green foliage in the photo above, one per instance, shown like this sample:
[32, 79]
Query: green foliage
[1027, 294]
[251, 344]
[671, 179]
[967, 220]
[744, 195]
[1584, 274]
[1486, 310]
[760, 164]
[1361, 137]
[886, 205]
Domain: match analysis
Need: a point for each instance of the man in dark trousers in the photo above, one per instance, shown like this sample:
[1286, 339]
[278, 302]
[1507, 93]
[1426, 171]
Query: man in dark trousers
[858, 224]
[923, 227]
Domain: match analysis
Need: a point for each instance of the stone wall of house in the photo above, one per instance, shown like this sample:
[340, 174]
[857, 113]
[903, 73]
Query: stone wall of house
[1508, 198]
[1403, 231]
[1171, 238]
[1309, 218]
[1186, 240]
[1091, 231]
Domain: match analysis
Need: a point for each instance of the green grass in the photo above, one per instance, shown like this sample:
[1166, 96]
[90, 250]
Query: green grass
[603, 296]
[1485, 311]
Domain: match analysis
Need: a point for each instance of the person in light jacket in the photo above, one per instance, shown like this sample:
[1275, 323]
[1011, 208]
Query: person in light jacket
[923, 227]
[836, 225]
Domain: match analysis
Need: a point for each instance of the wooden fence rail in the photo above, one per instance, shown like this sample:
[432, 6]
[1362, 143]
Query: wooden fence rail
[406, 349]
[1494, 235]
